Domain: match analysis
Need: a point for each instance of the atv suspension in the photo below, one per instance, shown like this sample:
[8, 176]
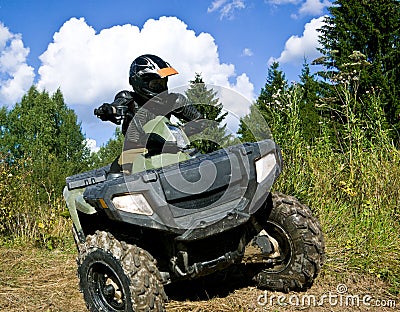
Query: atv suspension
[180, 264]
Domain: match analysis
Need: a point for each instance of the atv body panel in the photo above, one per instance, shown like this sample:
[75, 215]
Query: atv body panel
[193, 199]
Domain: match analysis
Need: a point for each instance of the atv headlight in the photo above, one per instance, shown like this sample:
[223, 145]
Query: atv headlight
[133, 203]
[264, 166]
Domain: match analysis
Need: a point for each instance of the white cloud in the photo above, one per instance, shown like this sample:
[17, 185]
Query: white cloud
[91, 144]
[91, 67]
[85, 65]
[216, 5]
[307, 8]
[313, 7]
[226, 8]
[247, 52]
[244, 87]
[280, 2]
[16, 77]
[297, 48]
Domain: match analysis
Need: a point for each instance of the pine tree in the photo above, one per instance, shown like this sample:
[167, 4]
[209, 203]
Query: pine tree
[206, 102]
[255, 126]
[371, 27]
[3, 121]
[276, 83]
[309, 114]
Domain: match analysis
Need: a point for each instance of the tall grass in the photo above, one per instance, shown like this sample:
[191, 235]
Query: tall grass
[25, 217]
[351, 179]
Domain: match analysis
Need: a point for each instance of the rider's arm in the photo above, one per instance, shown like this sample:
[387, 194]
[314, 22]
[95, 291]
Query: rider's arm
[109, 111]
[182, 108]
[122, 98]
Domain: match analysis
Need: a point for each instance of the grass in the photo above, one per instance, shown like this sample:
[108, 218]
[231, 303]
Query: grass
[352, 183]
[36, 279]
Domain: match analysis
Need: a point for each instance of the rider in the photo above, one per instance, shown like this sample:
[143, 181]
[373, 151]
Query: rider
[148, 77]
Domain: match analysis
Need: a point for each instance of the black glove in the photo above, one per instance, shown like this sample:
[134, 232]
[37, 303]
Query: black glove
[177, 101]
[182, 107]
[105, 112]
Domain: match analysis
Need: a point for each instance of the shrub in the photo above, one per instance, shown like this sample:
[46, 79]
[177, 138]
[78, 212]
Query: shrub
[23, 216]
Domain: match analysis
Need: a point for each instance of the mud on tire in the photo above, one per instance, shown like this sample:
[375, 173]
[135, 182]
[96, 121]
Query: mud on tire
[301, 246]
[116, 276]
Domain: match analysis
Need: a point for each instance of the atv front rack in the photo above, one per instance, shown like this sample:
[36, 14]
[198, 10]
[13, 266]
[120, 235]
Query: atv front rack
[85, 179]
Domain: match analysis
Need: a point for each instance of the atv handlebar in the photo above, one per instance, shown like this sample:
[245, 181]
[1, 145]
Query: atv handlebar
[117, 113]
[112, 113]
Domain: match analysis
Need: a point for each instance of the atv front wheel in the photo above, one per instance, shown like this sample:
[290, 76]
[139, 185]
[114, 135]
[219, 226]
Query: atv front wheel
[115, 276]
[298, 246]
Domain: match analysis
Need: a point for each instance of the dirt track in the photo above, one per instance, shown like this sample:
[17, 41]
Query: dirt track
[37, 280]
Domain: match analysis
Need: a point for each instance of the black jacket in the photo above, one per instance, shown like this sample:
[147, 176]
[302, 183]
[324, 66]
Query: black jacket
[140, 112]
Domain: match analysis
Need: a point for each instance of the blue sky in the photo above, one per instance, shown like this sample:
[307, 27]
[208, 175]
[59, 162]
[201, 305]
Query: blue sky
[85, 47]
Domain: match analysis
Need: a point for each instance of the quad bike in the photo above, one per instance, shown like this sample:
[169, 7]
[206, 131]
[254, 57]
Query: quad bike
[181, 215]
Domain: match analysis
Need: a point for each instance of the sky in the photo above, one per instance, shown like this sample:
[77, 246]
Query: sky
[85, 48]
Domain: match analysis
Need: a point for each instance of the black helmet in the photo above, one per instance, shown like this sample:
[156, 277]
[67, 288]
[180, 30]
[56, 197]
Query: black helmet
[148, 75]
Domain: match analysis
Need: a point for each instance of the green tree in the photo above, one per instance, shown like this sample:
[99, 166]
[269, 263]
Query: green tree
[109, 152]
[373, 29]
[254, 126]
[276, 84]
[309, 113]
[206, 102]
[3, 129]
[43, 130]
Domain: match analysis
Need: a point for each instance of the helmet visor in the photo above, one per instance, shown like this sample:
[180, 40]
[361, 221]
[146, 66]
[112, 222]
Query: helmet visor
[167, 71]
[158, 85]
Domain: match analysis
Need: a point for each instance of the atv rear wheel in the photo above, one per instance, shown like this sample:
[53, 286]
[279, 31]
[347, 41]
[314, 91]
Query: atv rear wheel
[298, 246]
[116, 276]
